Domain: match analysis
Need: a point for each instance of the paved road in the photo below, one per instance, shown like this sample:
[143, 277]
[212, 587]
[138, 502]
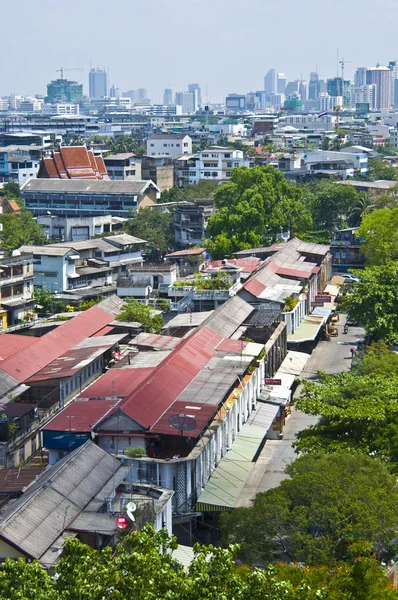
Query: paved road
[330, 357]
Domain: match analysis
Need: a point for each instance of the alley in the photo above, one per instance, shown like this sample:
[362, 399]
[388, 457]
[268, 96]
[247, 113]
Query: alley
[331, 357]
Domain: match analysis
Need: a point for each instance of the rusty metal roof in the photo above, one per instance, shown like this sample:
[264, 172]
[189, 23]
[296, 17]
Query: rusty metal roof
[202, 413]
[157, 342]
[81, 415]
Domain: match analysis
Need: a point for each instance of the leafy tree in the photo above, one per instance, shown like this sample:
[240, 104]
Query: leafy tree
[47, 301]
[378, 360]
[380, 170]
[203, 189]
[330, 502]
[19, 229]
[142, 567]
[373, 301]
[358, 413]
[379, 231]
[155, 227]
[135, 312]
[253, 208]
[330, 203]
[11, 190]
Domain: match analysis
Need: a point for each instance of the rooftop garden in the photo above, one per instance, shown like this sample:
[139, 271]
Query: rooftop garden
[221, 281]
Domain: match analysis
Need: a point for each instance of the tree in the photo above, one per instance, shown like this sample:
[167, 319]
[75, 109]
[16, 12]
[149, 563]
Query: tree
[254, 207]
[329, 203]
[19, 229]
[47, 301]
[378, 360]
[358, 413]
[380, 170]
[143, 567]
[330, 502]
[202, 189]
[373, 301]
[155, 227]
[11, 190]
[135, 312]
[379, 230]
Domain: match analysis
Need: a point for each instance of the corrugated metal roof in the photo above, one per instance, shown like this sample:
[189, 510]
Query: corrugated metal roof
[201, 413]
[254, 287]
[158, 342]
[88, 186]
[80, 416]
[36, 520]
[307, 330]
[15, 480]
[189, 252]
[53, 344]
[11, 344]
[226, 319]
[116, 383]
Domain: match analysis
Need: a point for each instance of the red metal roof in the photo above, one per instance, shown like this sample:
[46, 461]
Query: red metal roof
[80, 416]
[158, 342]
[161, 388]
[254, 287]
[15, 480]
[10, 344]
[202, 413]
[50, 346]
[300, 274]
[189, 252]
[247, 264]
[104, 331]
[116, 383]
[229, 345]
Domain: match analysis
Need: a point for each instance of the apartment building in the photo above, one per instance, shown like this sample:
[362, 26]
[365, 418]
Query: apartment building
[16, 288]
[160, 170]
[122, 166]
[168, 144]
[18, 164]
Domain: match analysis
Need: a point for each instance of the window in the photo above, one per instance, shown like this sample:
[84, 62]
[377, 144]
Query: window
[236, 164]
[228, 173]
[178, 145]
[227, 155]
[185, 144]
[207, 174]
[229, 165]
[152, 145]
[205, 155]
[165, 145]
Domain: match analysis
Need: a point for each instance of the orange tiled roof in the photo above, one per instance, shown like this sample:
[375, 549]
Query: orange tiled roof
[72, 162]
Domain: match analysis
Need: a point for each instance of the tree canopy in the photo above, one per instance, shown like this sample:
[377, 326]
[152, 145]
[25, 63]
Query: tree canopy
[380, 170]
[142, 567]
[254, 208]
[19, 229]
[379, 230]
[373, 301]
[155, 227]
[202, 189]
[330, 502]
[134, 311]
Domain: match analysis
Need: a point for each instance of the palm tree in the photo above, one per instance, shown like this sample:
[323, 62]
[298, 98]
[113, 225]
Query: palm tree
[362, 207]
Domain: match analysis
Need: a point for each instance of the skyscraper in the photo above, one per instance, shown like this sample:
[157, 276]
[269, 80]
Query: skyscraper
[313, 88]
[63, 90]
[393, 66]
[187, 100]
[168, 97]
[281, 83]
[195, 88]
[303, 90]
[97, 83]
[270, 82]
[360, 77]
[382, 78]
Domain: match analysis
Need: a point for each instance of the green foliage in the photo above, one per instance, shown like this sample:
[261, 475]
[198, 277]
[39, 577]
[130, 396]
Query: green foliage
[290, 303]
[11, 191]
[373, 301]
[135, 452]
[203, 189]
[86, 304]
[220, 281]
[379, 360]
[163, 304]
[19, 229]
[379, 230]
[358, 410]
[155, 227]
[136, 312]
[329, 203]
[47, 301]
[142, 567]
[380, 170]
[330, 502]
[253, 208]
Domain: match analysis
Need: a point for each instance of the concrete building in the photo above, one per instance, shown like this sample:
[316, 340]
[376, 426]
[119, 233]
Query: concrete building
[345, 164]
[16, 288]
[365, 94]
[188, 102]
[160, 170]
[280, 83]
[74, 265]
[62, 90]
[168, 97]
[18, 164]
[190, 222]
[88, 198]
[194, 88]
[360, 77]
[123, 166]
[381, 77]
[146, 281]
[98, 83]
[236, 102]
[216, 162]
[76, 229]
[168, 144]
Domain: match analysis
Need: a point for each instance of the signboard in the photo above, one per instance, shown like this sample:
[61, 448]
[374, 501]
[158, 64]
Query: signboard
[319, 303]
[323, 298]
[272, 381]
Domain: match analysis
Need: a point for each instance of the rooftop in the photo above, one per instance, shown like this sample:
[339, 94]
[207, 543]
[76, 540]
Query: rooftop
[88, 186]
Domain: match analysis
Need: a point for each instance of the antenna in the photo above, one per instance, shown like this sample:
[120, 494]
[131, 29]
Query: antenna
[182, 423]
[131, 507]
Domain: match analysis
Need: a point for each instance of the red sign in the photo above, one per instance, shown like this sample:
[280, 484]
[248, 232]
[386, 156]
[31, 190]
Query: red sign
[323, 297]
[273, 381]
[122, 522]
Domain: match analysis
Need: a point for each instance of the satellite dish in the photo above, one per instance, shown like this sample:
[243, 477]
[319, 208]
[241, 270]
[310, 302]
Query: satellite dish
[131, 508]
[182, 423]
[122, 522]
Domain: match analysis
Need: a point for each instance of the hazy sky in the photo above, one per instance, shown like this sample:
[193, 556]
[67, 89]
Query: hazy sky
[226, 45]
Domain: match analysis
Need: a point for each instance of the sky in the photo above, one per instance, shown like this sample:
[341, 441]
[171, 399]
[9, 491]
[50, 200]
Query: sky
[224, 45]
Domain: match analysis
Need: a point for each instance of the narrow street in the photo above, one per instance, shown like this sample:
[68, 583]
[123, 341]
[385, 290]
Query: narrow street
[331, 357]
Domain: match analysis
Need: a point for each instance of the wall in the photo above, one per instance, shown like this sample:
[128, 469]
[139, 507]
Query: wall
[7, 551]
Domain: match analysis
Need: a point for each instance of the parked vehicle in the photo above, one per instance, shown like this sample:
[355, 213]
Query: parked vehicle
[350, 278]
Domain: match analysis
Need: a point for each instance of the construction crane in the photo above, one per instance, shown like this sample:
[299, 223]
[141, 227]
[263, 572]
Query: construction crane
[61, 70]
[343, 62]
[343, 105]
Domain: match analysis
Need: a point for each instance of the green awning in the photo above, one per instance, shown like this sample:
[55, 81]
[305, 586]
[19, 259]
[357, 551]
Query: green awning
[307, 330]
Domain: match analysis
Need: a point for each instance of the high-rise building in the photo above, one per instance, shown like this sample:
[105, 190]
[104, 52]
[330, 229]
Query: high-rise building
[168, 97]
[63, 90]
[281, 83]
[188, 102]
[363, 94]
[313, 87]
[195, 88]
[97, 83]
[114, 92]
[360, 77]
[270, 82]
[292, 87]
[393, 66]
[382, 78]
[303, 90]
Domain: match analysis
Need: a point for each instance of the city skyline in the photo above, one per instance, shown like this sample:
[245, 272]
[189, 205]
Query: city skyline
[160, 69]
